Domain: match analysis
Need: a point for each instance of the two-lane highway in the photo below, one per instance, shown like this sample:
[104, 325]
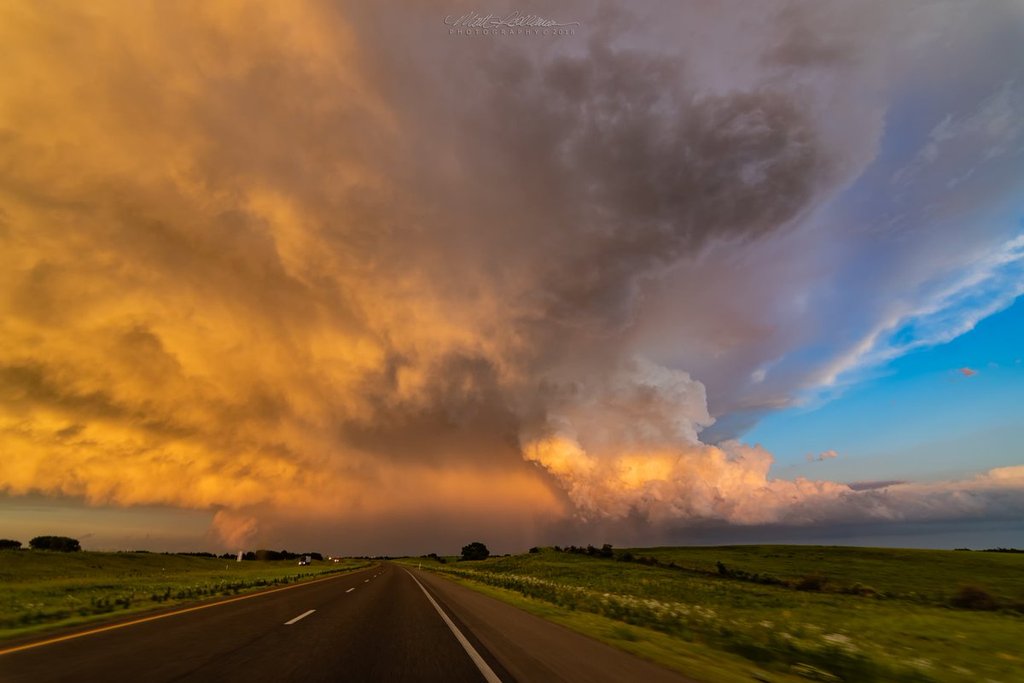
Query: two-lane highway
[385, 624]
[372, 625]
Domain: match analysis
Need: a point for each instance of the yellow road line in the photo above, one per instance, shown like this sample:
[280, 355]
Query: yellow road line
[142, 620]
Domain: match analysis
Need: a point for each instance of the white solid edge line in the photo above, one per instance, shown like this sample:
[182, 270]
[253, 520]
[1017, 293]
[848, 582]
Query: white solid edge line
[301, 616]
[485, 669]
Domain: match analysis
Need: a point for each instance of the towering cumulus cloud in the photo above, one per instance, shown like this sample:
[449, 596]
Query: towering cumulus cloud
[332, 264]
[633, 447]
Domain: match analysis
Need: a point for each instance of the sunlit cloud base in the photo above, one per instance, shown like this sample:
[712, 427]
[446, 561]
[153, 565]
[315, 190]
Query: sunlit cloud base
[314, 268]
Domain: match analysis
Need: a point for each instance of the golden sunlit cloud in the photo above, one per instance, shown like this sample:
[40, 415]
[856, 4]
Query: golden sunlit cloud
[256, 262]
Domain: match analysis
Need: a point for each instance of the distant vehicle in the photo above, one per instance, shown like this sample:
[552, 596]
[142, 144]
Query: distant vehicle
[304, 560]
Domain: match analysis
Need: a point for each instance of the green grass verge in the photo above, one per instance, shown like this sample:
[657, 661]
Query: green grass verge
[925, 576]
[42, 591]
[691, 659]
[869, 615]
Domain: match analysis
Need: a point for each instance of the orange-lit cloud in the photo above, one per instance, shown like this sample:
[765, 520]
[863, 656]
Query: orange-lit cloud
[256, 261]
[234, 529]
[199, 306]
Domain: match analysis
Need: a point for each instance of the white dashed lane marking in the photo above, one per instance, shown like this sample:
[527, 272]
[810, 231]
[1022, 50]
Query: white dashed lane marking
[301, 616]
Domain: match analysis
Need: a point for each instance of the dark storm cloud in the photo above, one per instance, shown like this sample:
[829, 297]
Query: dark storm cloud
[635, 167]
[320, 252]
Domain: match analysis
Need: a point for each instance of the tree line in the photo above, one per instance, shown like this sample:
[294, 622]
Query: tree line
[66, 544]
[59, 543]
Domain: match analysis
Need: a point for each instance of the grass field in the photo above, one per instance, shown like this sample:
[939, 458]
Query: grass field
[781, 613]
[42, 591]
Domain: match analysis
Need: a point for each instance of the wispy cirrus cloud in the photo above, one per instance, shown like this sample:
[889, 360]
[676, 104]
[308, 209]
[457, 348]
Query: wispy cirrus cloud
[254, 257]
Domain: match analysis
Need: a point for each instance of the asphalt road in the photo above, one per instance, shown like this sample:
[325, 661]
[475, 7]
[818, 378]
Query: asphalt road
[373, 625]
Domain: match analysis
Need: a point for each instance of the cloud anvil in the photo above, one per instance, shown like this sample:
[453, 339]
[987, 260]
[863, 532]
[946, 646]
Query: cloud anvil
[328, 253]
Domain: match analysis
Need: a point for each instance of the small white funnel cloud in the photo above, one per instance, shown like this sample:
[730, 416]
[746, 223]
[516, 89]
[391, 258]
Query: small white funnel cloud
[318, 272]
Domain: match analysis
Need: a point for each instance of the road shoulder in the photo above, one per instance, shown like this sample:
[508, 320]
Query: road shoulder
[533, 649]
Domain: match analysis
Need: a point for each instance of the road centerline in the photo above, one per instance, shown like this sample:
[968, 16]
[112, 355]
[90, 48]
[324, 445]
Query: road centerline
[301, 616]
[163, 615]
[350, 589]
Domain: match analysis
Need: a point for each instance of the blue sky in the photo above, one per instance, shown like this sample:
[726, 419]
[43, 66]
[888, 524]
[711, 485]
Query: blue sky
[920, 417]
[442, 287]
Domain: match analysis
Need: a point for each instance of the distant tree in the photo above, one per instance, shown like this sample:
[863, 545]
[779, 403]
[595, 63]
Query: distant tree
[316, 556]
[811, 582]
[265, 555]
[475, 551]
[59, 543]
[9, 544]
[534, 549]
[973, 597]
